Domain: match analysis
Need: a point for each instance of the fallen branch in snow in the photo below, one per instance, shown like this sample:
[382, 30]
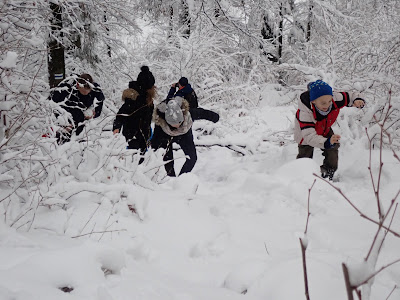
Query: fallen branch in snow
[237, 148]
[93, 232]
[81, 191]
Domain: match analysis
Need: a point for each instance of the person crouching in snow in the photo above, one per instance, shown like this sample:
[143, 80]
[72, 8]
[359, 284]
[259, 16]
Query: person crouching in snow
[317, 112]
[135, 115]
[173, 124]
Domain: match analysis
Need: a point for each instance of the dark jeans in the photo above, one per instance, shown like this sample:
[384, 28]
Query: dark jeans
[138, 144]
[162, 140]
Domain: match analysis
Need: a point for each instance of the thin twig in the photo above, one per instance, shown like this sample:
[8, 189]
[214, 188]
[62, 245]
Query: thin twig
[381, 224]
[265, 245]
[390, 224]
[98, 206]
[349, 288]
[96, 232]
[395, 287]
[377, 272]
[303, 255]
[355, 207]
[308, 205]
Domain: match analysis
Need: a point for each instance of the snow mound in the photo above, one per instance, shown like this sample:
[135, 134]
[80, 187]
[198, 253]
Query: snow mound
[300, 169]
[244, 275]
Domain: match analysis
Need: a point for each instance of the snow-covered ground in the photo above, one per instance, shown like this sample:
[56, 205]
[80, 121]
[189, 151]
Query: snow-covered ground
[228, 230]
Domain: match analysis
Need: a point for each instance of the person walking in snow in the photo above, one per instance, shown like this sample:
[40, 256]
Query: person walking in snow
[173, 124]
[82, 98]
[135, 115]
[186, 91]
[318, 109]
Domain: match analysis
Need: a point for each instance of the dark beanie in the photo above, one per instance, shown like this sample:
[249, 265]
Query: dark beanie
[183, 81]
[145, 78]
[319, 88]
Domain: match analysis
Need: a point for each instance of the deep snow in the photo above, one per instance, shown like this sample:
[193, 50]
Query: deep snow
[229, 230]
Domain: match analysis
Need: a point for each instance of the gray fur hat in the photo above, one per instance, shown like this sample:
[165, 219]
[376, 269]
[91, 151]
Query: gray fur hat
[173, 113]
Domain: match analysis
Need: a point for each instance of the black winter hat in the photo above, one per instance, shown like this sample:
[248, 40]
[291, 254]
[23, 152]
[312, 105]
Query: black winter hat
[183, 81]
[134, 85]
[145, 78]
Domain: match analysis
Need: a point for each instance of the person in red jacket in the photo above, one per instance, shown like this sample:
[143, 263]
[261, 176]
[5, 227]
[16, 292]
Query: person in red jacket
[317, 111]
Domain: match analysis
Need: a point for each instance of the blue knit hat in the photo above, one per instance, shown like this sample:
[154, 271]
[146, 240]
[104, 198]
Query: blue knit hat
[319, 88]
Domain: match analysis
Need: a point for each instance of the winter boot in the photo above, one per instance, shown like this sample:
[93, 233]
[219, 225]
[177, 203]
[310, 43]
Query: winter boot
[327, 172]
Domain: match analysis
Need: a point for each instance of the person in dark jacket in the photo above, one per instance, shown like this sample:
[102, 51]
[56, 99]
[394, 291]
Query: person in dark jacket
[318, 110]
[135, 115]
[82, 98]
[173, 124]
[186, 91]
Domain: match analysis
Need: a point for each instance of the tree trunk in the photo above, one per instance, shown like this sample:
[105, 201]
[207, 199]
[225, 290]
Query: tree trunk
[55, 58]
[171, 21]
[280, 37]
[108, 31]
[185, 19]
[268, 35]
[309, 23]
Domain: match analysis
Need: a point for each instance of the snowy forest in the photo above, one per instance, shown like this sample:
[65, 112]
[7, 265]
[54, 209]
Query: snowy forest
[85, 220]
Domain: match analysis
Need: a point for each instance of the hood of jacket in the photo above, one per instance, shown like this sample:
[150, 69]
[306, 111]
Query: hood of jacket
[130, 94]
[184, 128]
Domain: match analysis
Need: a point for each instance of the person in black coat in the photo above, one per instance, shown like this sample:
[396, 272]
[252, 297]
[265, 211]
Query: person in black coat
[135, 115]
[186, 91]
[173, 124]
[82, 98]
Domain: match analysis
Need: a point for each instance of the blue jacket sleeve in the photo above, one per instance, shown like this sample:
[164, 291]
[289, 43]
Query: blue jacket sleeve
[171, 92]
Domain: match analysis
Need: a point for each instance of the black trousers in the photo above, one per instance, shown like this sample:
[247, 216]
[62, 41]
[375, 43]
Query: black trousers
[162, 140]
[138, 143]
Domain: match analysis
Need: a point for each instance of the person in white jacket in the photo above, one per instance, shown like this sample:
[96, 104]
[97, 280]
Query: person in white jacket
[317, 111]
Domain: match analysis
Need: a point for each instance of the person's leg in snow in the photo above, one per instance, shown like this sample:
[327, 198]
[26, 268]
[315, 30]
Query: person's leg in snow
[305, 151]
[330, 163]
[169, 155]
[138, 144]
[162, 140]
[188, 147]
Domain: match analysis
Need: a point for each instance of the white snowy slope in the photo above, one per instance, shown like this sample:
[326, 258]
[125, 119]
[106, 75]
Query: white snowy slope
[228, 230]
